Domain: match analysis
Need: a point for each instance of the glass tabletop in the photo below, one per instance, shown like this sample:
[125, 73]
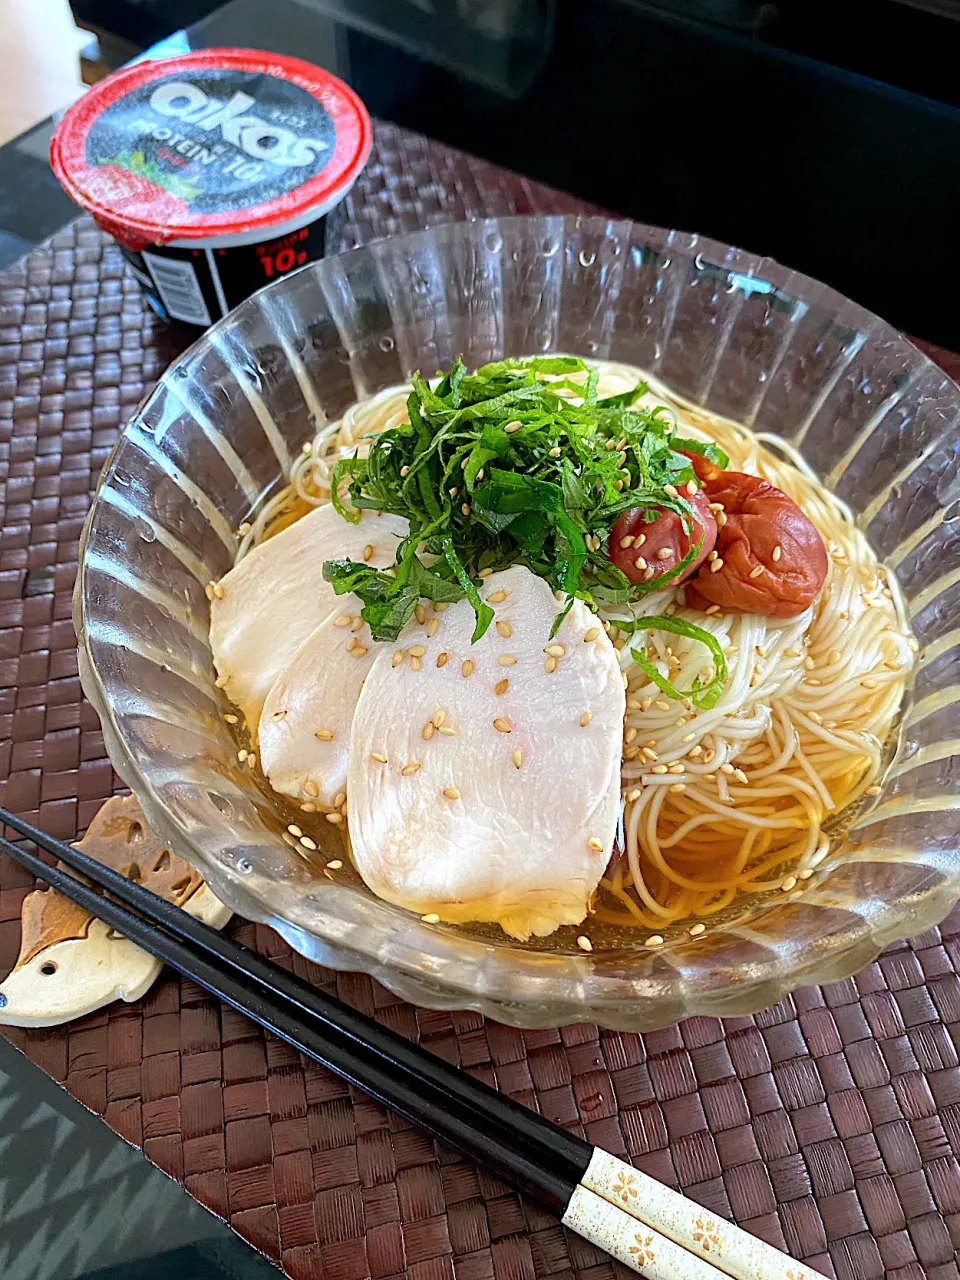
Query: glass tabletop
[78, 1203]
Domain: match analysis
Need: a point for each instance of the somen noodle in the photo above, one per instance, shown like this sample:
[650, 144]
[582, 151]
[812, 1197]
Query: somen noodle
[727, 799]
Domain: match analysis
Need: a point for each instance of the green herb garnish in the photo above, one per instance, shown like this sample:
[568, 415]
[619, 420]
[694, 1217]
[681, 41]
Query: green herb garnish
[497, 467]
[701, 695]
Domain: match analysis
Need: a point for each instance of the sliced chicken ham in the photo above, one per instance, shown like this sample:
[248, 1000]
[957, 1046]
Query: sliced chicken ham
[305, 724]
[498, 796]
[277, 595]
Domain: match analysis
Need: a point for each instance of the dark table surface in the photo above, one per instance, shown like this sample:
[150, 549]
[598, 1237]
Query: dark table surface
[691, 128]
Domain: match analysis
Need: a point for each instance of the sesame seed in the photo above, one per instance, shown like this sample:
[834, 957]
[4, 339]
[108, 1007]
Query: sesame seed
[334, 818]
[428, 730]
[496, 597]
[430, 918]
[716, 566]
[221, 681]
[218, 591]
[639, 563]
[640, 540]
[280, 714]
[584, 943]
[447, 731]
[550, 666]
[397, 658]
[484, 573]
[555, 451]
[712, 555]
[777, 551]
[480, 477]
[648, 573]
[629, 736]
[740, 776]
[501, 725]
[676, 767]
[308, 807]
[688, 737]
[252, 760]
[506, 660]
[654, 941]
[415, 664]
[678, 786]
[501, 686]
[756, 571]
[443, 658]
[334, 865]
[661, 705]
[671, 491]
[294, 830]
[368, 552]
[511, 427]
[342, 620]
[453, 492]
[308, 843]
[452, 793]
[726, 768]
[648, 753]
[658, 768]
[627, 541]
[664, 553]
[585, 719]
[504, 629]
[441, 606]
[432, 627]
[634, 795]
[791, 653]
[691, 488]
[242, 754]
[229, 719]
[378, 756]
[591, 635]
[872, 791]
[713, 608]
[439, 716]
[806, 873]
[208, 590]
[517, 758]
[311, 788]
[418, 651]
[789, 883]
[410, 769]
[468, 667]
[404, 471]
[245, 528]
[594, 845]
[697, 929]
[420, 613]
[359, 651]
[555, 650]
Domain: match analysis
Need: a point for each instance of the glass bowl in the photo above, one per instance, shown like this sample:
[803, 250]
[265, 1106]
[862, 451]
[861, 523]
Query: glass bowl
[732, 332]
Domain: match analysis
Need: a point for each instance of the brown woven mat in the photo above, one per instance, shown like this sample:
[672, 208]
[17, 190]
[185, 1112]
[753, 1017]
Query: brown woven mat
[830, 1124]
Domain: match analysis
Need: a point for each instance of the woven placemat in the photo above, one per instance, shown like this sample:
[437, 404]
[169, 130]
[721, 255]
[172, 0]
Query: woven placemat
[829, 1124]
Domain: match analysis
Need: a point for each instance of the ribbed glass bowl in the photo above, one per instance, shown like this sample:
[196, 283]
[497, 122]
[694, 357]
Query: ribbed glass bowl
[732, 332]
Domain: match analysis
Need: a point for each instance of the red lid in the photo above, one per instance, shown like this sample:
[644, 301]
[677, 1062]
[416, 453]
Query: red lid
[218, 142]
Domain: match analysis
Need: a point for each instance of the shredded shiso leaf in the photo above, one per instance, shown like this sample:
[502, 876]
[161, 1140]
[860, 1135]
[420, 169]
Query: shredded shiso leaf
[500, 467]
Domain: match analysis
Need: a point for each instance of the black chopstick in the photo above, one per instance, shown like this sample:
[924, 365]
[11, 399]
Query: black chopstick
[643, 1223]
[521, 1148]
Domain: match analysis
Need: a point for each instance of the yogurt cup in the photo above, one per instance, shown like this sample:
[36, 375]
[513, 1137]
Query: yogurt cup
[216, 172]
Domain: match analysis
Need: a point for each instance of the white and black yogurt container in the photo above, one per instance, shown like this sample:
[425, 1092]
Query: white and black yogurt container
[217, 172]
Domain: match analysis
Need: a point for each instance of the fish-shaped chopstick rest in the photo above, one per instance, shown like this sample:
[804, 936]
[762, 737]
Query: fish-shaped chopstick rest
[70, 963]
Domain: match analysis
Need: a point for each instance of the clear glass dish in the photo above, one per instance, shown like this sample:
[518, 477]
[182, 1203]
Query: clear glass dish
[732, 332]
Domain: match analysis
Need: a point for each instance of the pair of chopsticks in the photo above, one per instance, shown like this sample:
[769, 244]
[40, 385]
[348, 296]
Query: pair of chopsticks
[646, 1225]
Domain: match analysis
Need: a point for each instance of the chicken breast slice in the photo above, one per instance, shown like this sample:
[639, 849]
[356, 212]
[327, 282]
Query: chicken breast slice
[506, 809]
[305, 723]
[277, 595]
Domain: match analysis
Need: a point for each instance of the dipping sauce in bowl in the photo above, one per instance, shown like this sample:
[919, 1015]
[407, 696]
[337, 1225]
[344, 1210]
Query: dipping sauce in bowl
[216, 172]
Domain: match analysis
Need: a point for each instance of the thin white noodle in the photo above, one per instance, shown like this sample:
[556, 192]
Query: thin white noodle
[805, 710]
